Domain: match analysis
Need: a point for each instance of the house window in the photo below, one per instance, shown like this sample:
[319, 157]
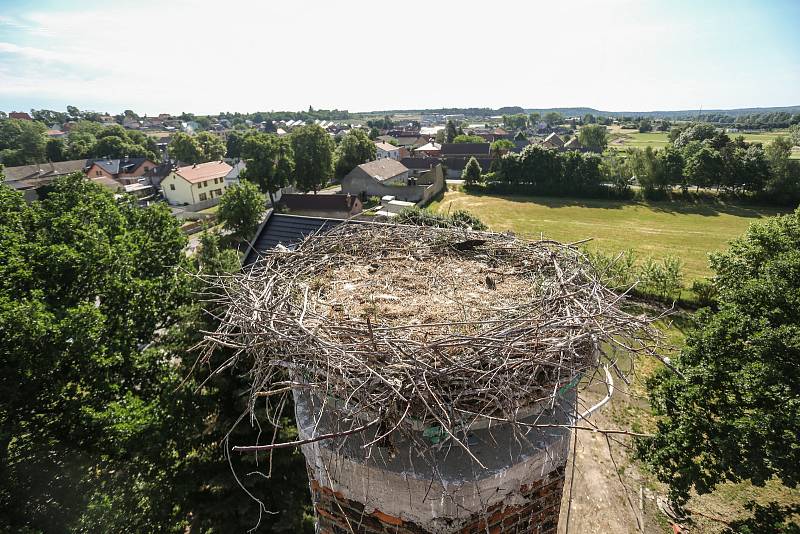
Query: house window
[98, 173]
[218, 192]
[203, 197]
[205, 184]
[172, 187]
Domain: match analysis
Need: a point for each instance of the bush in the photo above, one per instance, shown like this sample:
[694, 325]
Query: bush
[706, 292]
[424, 217]
[663, 279]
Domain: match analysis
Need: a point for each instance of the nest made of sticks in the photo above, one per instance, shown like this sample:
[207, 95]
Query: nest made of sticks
[410, 326]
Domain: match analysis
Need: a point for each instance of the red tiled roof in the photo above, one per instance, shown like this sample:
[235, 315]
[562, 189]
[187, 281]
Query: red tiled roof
[203, 171]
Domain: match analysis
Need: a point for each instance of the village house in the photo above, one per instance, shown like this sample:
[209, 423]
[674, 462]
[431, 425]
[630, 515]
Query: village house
[389, 177]
[193, 184]
[573, 144]
[21, 115]
[429, 150]
[28, 179]
[385, 150]
[337, 206]
[553, 141]
[456, 156]
[126, 170]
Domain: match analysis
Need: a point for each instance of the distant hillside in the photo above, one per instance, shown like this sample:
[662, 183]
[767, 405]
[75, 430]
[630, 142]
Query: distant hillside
[580, 111]
[683, 113]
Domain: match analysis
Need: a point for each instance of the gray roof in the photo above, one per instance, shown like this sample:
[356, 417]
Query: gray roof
[287, 230]
[47, 170]
[113, 166]
[383, 169]
[465, 149]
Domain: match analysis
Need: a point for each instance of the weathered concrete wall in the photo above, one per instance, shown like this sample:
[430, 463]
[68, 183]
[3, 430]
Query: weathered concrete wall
[434, 486]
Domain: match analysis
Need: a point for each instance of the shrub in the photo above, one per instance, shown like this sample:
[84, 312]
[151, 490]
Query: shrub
[706, 292]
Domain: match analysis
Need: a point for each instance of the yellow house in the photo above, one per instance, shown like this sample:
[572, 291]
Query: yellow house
[195, 183]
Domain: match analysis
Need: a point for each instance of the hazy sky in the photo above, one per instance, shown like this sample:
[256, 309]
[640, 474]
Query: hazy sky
[207, 56]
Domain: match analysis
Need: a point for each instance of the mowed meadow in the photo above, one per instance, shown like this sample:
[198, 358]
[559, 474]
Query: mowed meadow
[621, 140]
[688, 231]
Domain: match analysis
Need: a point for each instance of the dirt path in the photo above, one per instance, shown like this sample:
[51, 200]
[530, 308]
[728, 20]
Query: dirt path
[600, 502]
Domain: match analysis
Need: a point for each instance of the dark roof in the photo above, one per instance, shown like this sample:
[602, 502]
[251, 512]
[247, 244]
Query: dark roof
[318, 202]
[113, 166]
[520, 145]
[420, 163]
[47, 170]
[458, 164]
[465, 149]
[286, 230]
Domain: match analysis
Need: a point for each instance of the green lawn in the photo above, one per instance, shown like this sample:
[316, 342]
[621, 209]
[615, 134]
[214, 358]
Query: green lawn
[657, 229]
[622, 139]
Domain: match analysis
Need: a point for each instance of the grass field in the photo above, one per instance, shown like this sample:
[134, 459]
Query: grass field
[657, 229]
[622, 139]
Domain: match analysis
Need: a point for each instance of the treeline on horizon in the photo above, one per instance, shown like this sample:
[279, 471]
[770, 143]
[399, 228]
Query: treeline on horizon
[697, 156]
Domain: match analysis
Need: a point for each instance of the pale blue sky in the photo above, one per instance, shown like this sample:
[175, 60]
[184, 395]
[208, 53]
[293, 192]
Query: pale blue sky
[207, 56]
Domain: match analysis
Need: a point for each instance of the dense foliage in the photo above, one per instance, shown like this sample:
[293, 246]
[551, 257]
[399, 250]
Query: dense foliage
[545, 171]
[97, 432]
[354, 149]
[424, 217]
[731, 409]
[313, 157]
[241, 208]
[700, 156]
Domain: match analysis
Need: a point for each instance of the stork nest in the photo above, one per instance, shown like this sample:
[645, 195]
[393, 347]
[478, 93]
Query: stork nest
[415, 326]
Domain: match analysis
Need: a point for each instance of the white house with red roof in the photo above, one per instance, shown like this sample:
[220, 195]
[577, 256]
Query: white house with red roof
[197, 183]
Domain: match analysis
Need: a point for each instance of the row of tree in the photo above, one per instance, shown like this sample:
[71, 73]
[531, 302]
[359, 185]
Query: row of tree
[700, 156]
[24, 142]
[541, 170]
[308, 158]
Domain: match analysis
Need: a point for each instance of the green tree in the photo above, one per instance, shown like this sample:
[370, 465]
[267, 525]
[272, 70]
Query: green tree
[241, 208]
[450, 132]
[553, 118]
[211, 146]
[86, 281]
[472, 172]
[55, 150]
[672, 165]
[234, 143]
[468, 139]
[105, 428]
[731, 409]
[185, 148]
[593, 137]
[704, 168]
[22, 142]
[313, 157]
[354, 149]
[269, 162]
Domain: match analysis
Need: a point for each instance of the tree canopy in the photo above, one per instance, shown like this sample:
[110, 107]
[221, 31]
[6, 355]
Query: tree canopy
[313, 157]
[241, 208]
[354, 149]
[731, 409]
[593, 137]
[104, 426]
[472, 172]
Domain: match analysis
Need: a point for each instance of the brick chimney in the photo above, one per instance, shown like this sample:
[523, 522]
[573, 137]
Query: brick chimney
[397, 490]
